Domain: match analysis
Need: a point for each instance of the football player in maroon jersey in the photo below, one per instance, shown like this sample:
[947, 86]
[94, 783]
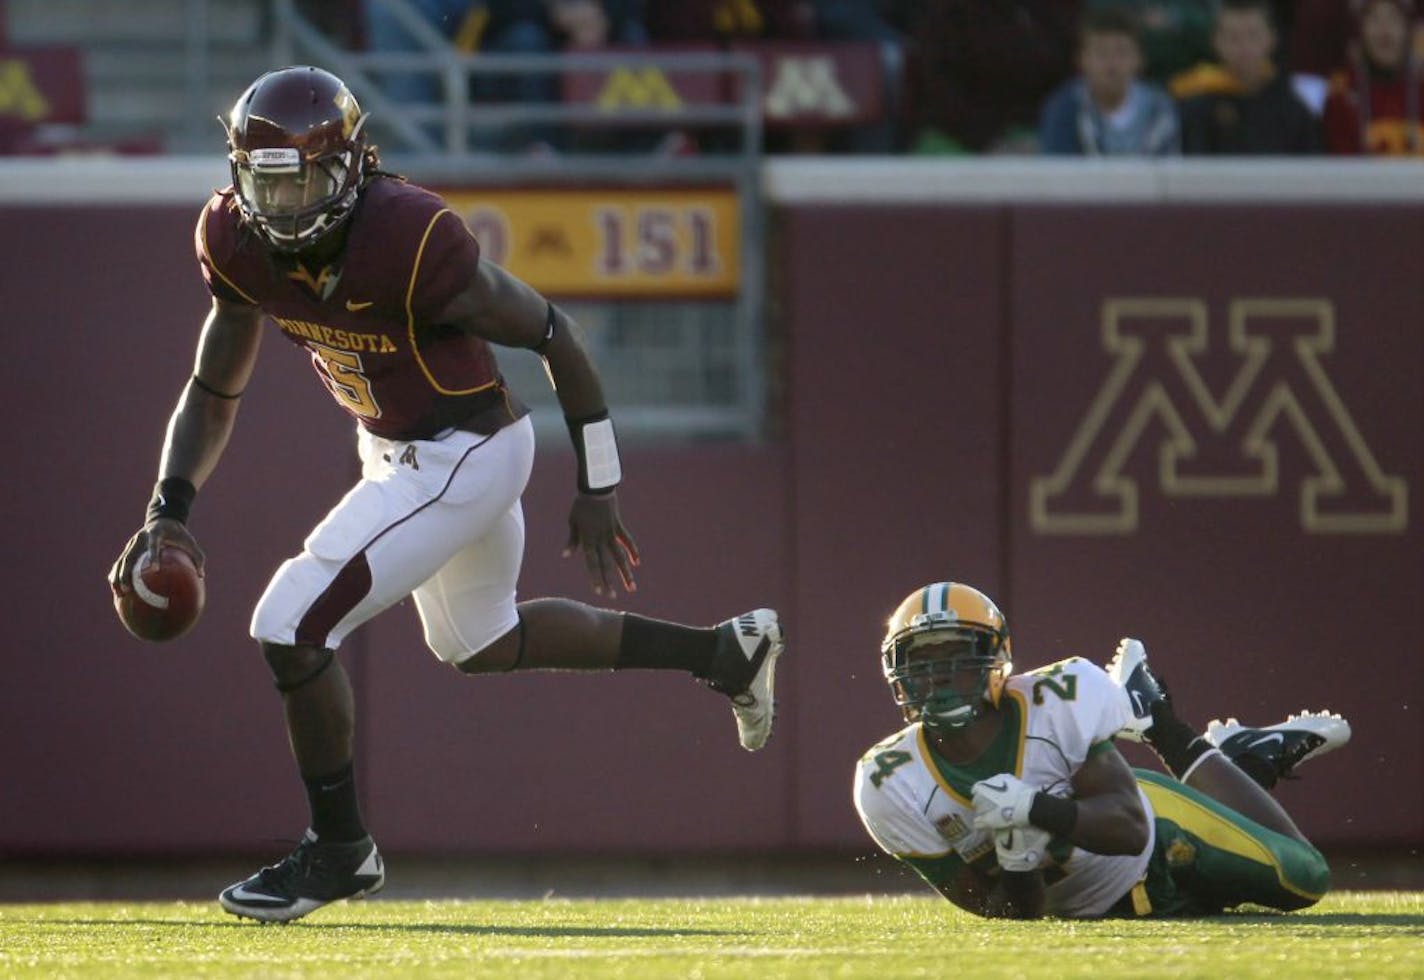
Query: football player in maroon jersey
[383, 286]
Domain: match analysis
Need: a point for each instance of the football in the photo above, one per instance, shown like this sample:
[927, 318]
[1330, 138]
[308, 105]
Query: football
[161, 601]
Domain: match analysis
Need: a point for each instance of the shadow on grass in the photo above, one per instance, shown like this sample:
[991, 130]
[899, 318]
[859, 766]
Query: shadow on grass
[454, 929]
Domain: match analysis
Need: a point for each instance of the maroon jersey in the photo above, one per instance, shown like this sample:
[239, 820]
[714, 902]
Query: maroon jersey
[1375, 115]
[370, 320]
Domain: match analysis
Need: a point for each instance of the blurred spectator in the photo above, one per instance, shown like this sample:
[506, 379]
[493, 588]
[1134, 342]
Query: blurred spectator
[503, 27]
[693, 21]
[1244, 105]
[1175, 34]
[853, 20]
[340, 20]
[1374, 103]
[384, 33]
[1109, 110]
[1283, 16]
[863, 20]
[1326, 37]
[1321, 39]
[982, 68]
[899, 14]
[587, 25]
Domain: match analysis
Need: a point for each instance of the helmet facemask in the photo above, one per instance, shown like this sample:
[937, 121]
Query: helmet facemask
[943, 675]
[293, 201]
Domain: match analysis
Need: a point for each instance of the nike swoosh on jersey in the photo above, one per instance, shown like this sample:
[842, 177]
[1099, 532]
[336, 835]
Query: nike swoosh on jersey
[355, 307]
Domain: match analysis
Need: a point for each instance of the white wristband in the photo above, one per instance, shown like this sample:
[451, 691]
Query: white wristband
[599, 468]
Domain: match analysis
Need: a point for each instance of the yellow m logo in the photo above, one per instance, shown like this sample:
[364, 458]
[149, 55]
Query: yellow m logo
[1218, 447]
[18, 95]
[637, 88]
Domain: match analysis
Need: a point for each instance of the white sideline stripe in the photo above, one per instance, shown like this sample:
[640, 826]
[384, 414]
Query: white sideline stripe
[865, 180]
[679, 952]
[141, 180]
[894, 180]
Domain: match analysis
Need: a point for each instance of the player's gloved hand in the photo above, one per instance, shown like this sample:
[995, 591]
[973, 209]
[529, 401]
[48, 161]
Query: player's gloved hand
[1021, 848]
[608, 549]
[1002, 801]
[161, 532]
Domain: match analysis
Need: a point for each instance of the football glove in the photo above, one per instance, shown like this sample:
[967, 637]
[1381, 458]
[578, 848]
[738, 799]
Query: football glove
[1002, 801]
[1021, 848]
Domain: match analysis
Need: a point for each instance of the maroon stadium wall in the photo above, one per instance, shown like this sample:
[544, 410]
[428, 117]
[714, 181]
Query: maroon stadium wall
[1196, 425]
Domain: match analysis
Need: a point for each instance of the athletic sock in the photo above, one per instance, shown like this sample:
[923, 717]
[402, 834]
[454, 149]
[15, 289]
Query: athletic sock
[336, 816]
[1176, 743]
[658, 645]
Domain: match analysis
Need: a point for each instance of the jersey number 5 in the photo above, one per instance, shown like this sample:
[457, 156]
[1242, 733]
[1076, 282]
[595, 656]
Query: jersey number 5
[341, 370]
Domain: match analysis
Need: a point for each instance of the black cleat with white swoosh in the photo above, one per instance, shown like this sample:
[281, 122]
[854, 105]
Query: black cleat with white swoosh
[313, 875]
[744, 669]
[1276, 750]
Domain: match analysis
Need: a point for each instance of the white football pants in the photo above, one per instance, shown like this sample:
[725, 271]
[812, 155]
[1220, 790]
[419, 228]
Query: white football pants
[439, 519]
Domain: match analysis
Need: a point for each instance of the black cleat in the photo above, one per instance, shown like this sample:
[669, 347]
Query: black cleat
[313, 875]
[1283, 746]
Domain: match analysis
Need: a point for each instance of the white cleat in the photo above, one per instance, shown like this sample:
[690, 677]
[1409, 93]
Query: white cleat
[745, 670]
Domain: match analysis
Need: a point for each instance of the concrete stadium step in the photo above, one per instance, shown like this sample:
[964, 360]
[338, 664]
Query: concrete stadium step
[155, 106]
[88, 22]
[146, 65]
[136, 59]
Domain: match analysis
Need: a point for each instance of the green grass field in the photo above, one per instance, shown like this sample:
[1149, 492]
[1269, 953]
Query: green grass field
[1352, 934]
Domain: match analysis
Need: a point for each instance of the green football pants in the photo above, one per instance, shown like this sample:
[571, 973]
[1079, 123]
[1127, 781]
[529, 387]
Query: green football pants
[1207, 857]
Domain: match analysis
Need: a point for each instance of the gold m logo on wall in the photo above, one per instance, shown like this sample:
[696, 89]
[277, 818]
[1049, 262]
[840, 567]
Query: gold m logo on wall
[19, 96]
[807, 85]
[637, 88]
[1218, 447]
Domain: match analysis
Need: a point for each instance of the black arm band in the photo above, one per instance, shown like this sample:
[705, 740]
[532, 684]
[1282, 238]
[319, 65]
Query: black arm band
[172, 498]
[213, 391]
[599, 469]
[551, 327]
[1054, 814]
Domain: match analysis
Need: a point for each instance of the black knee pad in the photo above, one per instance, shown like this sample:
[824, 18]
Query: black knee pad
[472, 664]
[296, 666]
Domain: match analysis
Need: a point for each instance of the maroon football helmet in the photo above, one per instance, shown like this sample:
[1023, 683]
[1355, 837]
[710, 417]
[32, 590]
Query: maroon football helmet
[298, 155]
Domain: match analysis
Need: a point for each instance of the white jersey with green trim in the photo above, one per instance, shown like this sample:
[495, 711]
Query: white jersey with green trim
[917, 806]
